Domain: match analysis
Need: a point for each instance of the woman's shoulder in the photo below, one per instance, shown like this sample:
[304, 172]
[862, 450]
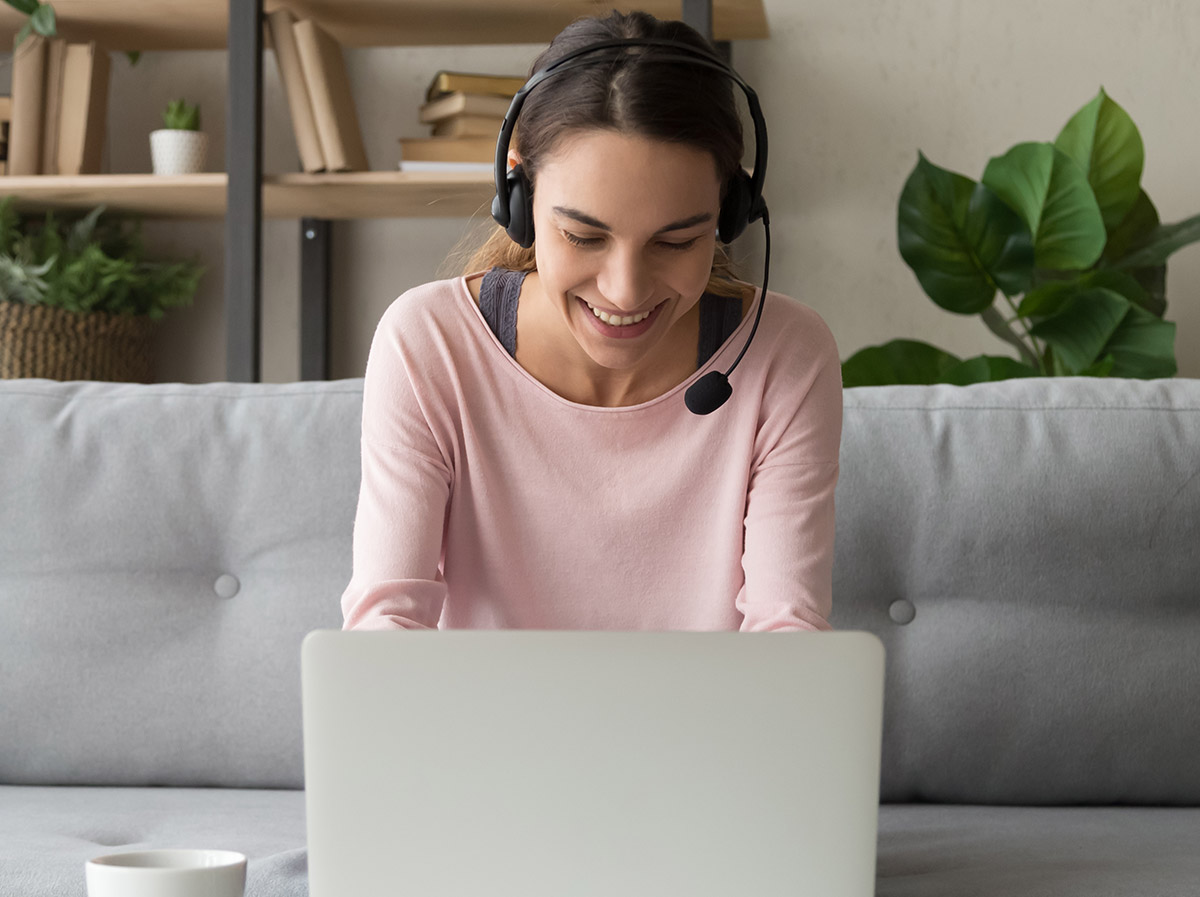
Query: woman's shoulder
[435, 299]
[793, 319]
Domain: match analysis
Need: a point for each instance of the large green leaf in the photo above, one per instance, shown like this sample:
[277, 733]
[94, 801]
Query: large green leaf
[28, 7]
[986, 368]
[1103, 140]
[961, 240]
[1124, 283]
[43, 21]
[1162, 241]
[1052, 194]
[1082, 326]
[1047, 300]
[900, 361]
[1136, 230]
[1143, 346]
[1102, 368]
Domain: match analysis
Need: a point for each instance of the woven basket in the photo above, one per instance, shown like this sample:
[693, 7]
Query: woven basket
[44, 341]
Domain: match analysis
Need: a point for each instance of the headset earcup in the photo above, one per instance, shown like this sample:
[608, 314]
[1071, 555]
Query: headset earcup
[520, 207]
[735, 210]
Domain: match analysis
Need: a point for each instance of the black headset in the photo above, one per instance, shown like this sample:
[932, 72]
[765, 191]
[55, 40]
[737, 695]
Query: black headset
[512, 207]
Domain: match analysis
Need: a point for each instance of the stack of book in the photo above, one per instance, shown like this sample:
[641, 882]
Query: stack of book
[59, 106]
[317, 88]
[466, 112]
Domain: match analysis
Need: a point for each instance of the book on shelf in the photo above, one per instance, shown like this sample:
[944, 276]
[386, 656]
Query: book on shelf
[432, 165]
[468, 82]
[83, 110]
[468, 126]
[59, 108]
[28, 106]
[56, 56]
[461, 103]
[332, 100]
[280, 26]
[448, 149]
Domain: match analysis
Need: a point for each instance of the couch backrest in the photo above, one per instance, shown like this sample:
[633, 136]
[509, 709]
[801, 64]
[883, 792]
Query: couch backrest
[163, 550]
[1029, 552]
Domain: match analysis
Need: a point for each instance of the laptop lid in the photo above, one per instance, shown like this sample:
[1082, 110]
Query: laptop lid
[523, 763]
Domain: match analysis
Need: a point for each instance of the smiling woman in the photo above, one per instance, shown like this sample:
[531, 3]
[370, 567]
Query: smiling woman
[528, 460]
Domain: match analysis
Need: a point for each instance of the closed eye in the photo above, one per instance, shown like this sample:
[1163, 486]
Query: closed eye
[587, 242]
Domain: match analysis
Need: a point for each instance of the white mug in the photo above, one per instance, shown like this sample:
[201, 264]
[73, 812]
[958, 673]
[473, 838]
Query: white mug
[167, 873]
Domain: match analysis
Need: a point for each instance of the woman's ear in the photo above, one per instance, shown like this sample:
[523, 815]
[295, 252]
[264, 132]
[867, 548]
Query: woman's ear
[513, 159]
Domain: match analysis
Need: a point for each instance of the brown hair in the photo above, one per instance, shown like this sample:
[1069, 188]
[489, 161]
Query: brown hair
[634, 94]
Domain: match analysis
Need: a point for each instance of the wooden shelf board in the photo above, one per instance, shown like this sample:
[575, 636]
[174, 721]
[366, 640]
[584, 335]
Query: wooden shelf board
[202, 24]
[368, 194]
[155, 196]
[379, 194]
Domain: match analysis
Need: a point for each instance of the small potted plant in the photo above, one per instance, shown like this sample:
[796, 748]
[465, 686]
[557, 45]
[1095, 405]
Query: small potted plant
[180, 147]
[78, 297]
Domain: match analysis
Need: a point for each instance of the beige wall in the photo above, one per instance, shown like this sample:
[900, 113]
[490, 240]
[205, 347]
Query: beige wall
[850, 90]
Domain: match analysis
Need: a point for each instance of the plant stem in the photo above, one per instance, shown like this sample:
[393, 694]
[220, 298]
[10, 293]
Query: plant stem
[1039, 349]
[995, 322]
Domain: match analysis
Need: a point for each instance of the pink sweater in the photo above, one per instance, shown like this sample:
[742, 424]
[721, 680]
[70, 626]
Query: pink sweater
[488, 501]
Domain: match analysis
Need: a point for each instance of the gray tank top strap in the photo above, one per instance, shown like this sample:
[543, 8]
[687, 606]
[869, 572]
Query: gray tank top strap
[719, 317]
[498, 301]
[501, 287]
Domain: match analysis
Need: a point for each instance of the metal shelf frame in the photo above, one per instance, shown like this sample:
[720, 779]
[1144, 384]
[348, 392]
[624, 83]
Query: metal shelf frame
[244, 209]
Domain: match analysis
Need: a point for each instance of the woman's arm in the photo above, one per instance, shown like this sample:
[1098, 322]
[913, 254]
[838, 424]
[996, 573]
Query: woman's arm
[402, 503]
[789, 526]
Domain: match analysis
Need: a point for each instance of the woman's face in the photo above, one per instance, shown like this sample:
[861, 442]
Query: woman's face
[626, 226]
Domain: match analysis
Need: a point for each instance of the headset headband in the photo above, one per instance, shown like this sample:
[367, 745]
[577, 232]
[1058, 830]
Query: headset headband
[693, 57]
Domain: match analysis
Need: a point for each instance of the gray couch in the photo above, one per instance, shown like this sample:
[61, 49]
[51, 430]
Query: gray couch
[1029, 552]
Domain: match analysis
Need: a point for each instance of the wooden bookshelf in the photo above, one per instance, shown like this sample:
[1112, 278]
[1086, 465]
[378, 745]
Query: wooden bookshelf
[314, 199]
[367, 194]
[203, 24]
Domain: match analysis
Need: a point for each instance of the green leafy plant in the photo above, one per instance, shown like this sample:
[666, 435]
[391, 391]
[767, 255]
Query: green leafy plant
[43, 21]
[180, 116]
[88, 264]
[1063, 227]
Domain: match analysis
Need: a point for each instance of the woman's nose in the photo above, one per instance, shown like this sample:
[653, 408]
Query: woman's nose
[626, 281]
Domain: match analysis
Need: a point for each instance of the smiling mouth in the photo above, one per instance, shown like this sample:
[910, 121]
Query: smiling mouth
[619, 320]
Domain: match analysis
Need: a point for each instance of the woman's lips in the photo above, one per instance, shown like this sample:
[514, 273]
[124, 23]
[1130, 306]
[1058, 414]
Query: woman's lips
[626, 331]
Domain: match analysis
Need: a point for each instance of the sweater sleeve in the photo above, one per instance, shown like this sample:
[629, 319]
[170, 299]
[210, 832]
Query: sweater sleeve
[396, 581]
[787, 557]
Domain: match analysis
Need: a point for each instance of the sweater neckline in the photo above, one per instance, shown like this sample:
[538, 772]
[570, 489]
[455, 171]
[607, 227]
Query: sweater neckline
[464, 294]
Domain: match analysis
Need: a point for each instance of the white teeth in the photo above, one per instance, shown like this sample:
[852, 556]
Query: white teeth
[616, 321]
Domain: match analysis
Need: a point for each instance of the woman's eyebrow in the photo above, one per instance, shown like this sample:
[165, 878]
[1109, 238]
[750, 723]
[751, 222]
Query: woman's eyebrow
[584, 218]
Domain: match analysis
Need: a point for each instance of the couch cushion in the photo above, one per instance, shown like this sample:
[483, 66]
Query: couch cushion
[164, 549]
[1027, 552]
[955, 851]
[48, 834]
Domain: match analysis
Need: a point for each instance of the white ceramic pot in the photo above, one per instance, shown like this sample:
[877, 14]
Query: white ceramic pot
[178, 152]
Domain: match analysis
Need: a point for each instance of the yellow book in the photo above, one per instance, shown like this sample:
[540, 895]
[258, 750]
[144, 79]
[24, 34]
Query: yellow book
[468, 126]
[84, 115]
[56, 55]
[448, 82]
[332, 102]
[28, 108]
[448, 149]
[460, 103]
[280, 25]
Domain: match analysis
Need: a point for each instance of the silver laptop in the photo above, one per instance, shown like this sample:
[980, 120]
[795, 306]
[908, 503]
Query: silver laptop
[523, 763]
